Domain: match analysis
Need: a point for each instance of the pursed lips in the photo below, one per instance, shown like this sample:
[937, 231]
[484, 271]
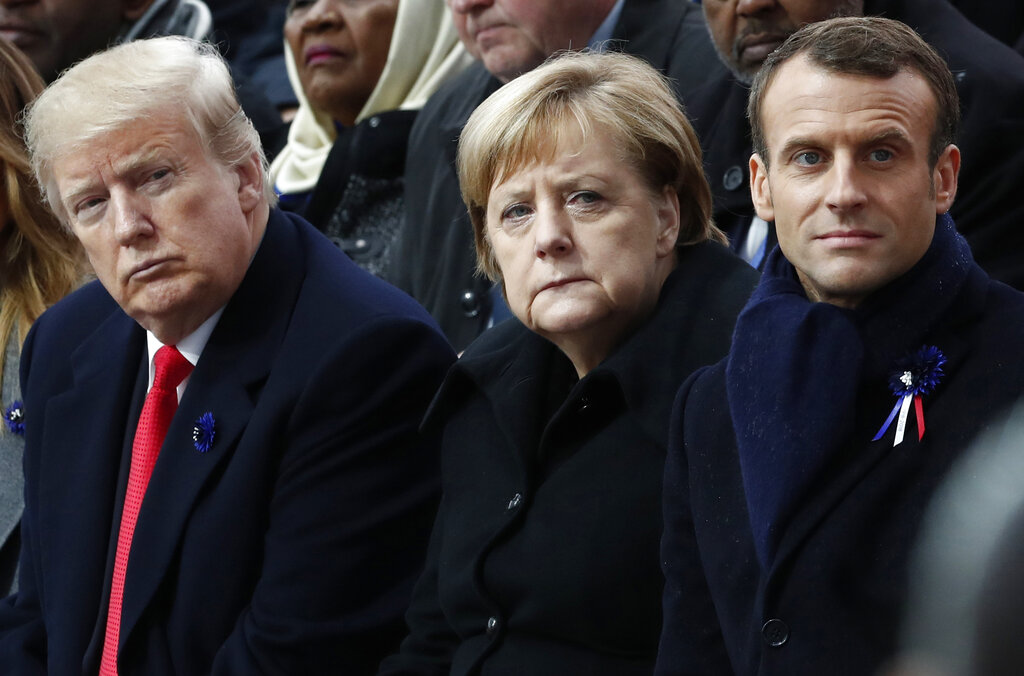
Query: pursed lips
[564, 281]
[319, 53]
[18, 33]
[758, 46]
[484, 30]
[142, 269]
[851, 237]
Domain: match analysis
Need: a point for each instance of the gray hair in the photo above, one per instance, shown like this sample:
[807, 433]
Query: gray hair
[116, 87]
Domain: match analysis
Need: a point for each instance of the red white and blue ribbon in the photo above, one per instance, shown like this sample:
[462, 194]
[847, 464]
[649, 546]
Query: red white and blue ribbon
[915, 376]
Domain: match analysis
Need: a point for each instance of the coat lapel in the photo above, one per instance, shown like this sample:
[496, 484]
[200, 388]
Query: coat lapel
[865, 457]
[225, 383]
[511, 383]
[81, 451]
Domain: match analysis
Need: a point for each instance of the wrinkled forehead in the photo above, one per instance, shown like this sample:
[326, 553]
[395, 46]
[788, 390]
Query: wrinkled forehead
[805, 94]
[543, 143]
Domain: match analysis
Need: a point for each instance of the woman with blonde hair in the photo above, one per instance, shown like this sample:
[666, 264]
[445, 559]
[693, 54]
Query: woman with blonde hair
[40, 262]
[585, 189]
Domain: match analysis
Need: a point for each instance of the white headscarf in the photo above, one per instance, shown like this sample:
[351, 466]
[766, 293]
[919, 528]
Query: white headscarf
[425, 51]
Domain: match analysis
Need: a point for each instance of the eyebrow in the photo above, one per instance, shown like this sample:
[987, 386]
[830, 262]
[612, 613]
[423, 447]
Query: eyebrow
[887, 135]
[122, 167]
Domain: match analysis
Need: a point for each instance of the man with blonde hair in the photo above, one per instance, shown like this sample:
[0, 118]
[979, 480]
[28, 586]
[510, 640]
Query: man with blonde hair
[223, 469]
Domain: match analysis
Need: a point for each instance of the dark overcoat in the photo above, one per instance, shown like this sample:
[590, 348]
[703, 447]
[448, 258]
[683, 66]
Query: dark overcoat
[292, 544]
[434, 259]
[544, 556]
[830, 598]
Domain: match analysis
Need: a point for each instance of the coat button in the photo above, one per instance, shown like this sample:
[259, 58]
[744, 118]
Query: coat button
[470, 303]
[775, 632]
[374, 121]
[515, 501]
[492, 626]
[733, 178]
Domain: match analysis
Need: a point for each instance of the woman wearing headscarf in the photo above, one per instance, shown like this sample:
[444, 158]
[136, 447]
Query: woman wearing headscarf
[361, 72]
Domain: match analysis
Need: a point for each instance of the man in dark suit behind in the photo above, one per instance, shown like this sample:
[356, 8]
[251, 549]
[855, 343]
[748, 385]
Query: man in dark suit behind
[287, 512]
[434, 258]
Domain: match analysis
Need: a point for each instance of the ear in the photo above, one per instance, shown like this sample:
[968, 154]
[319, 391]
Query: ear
[250, 182]
[132, 10]
[761, 189]
[945, 175]
[667, 209]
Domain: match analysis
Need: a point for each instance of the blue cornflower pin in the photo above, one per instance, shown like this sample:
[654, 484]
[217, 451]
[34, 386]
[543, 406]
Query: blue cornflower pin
[14, 417]
[203, 432]
[915, 376]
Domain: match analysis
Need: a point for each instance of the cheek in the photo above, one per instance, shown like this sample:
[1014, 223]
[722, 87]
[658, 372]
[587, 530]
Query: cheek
[292, 35]
[514, 267]
[718, 17]
[372, 34]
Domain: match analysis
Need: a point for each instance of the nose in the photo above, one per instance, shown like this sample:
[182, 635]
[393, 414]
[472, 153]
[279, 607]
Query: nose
[751, 7]
[322, 14]
[467, 6]
[130, 219]
[552, 234]
[845, 191]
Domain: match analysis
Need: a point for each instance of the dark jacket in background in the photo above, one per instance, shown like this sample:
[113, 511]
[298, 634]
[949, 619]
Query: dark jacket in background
[250, 34]
[990, 79]
[434, 259]
[1002, 19]
[544, 556]
[359, 197]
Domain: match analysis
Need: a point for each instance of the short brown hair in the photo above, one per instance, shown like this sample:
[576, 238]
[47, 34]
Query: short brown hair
[867, 46]
[622, 94]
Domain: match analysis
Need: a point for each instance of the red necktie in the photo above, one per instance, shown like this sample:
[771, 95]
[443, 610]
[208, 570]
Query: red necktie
[161, 403]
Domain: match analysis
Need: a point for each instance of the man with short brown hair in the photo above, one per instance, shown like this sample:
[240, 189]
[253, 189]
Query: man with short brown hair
[988, 75]
[873, 350]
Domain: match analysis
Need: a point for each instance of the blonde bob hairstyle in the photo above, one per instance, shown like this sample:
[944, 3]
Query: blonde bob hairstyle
[520, 124]
[136, 80]
[40, 262]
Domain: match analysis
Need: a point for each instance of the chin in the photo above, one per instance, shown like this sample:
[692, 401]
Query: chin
[566, 323]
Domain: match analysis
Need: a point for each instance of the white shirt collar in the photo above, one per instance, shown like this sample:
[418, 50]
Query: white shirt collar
[190, 347]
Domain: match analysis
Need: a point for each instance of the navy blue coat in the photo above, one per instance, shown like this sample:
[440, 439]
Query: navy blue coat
[292, 544]
[831, 597]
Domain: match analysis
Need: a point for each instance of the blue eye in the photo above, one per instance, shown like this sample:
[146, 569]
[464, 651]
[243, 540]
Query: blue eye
[515, 211]
[808, 158]
[585, 196]
[881, 155]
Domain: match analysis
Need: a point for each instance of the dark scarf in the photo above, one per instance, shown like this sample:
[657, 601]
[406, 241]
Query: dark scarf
[795, 368]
